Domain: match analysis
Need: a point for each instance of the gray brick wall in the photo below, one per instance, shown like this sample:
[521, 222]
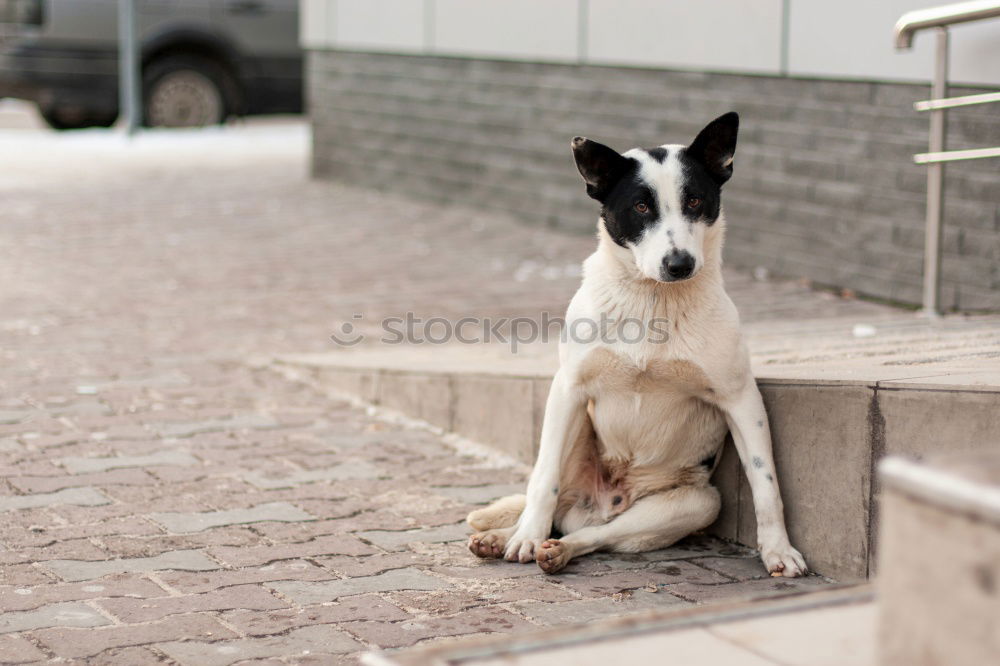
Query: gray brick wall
[824, 187]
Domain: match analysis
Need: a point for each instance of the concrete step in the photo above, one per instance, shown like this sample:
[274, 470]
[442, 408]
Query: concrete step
[831, 425]
[939, 573]
[829, 628]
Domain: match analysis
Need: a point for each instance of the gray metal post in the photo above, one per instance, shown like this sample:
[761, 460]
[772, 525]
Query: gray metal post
[935, 180]
[129, 83]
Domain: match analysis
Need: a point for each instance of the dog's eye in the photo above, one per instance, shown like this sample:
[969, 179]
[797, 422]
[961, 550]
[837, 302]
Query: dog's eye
[693, 202]
[642, 207]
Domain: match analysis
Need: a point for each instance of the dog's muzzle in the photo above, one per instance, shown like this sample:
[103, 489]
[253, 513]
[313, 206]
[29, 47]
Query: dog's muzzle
[678, 265]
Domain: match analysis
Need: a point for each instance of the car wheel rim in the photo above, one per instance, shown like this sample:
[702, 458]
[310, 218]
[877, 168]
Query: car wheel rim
[184, 99]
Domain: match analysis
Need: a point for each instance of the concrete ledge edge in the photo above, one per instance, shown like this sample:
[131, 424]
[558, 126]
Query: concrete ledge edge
[623, 626]
[941, 488]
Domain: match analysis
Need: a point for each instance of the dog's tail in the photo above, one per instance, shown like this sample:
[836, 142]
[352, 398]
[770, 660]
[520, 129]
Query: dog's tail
[502, 513]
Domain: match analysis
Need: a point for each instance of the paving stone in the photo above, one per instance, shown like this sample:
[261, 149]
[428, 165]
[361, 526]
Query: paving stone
[355, 469]
[19, 650]
[22, 467]
[69, 614]
[44, 484]
[480, 592]
[15, 416]
[586, 610]
[400, 540]
[334, 516]
[82, 643]
[544, 589]
[750, 589]
[77, 496]
[127, 656]
[397, 579]
[71, 548]
[27, 597]
[490, 569]
[414, 498]
[328, 545]
[51, 440]
[315, 640]
[251, 597]
[372, 564]
[9, 444]
[32, 534]
[435, 602]
[737, 568]
[196, 522]
[78, 464]
[18, 466]
[21, 575]
[149, 546]
[656, 576]
[68, 514]
[246, 421]
[363, 607]
[188, 581]
[399, 634]
[196, 494]
[481, 494]
[76, 570]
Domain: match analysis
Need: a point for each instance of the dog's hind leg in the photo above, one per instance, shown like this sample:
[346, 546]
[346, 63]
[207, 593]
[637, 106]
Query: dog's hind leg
[493, 525]
[655, 521]
[502, 513]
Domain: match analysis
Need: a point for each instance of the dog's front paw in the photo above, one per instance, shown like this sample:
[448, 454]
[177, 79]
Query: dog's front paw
[552, 555]
[487, 544]
[522, 548]
[783, 560]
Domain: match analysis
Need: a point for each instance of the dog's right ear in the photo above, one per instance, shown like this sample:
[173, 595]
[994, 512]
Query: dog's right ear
[600, 166]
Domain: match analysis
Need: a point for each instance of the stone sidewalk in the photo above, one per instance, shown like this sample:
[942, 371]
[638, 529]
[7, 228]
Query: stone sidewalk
[222, 513]
[165, 499]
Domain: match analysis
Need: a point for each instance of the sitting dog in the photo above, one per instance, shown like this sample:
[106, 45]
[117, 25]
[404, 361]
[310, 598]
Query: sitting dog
[633, 428]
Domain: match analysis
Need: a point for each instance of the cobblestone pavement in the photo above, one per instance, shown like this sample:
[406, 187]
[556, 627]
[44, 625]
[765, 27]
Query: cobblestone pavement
[162, 499]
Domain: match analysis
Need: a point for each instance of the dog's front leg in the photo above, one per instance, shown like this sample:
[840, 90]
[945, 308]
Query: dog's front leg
[752, 436]
[565, 414]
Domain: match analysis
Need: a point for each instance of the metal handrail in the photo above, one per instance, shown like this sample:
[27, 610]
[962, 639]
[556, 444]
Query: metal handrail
[913, 22]
[910, 23]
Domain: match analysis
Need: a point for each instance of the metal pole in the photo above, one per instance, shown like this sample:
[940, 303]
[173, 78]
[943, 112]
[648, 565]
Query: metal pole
[935, 180]
[129, 84]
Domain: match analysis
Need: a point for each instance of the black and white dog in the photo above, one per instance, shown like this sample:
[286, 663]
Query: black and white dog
[632, 429]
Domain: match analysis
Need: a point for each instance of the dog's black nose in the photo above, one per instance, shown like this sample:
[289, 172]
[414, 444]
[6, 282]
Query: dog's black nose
[677, 266]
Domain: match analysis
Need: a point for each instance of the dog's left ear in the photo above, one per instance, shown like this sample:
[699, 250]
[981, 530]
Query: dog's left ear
[600, 166]
[715, 146]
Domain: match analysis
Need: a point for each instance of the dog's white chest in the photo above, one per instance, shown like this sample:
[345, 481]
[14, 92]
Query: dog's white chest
[652, 413]
[604, 371]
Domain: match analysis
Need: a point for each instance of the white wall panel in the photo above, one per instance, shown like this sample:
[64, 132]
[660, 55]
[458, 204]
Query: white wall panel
[722, 35]
[853, 38]
[379, 25]
[315, 30]
[521, 29]
[826, 38]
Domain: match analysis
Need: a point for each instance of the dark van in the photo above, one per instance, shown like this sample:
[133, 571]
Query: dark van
[202, 60]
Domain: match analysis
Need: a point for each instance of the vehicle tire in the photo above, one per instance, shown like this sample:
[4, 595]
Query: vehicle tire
[187, 91]
[74, 118]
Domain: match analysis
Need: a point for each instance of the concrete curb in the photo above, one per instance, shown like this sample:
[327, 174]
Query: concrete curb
[941, 558]
[828, 438]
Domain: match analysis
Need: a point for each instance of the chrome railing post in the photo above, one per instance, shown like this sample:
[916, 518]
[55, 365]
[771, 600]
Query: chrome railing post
[129, 66]
[938, 19]
[935, 180]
